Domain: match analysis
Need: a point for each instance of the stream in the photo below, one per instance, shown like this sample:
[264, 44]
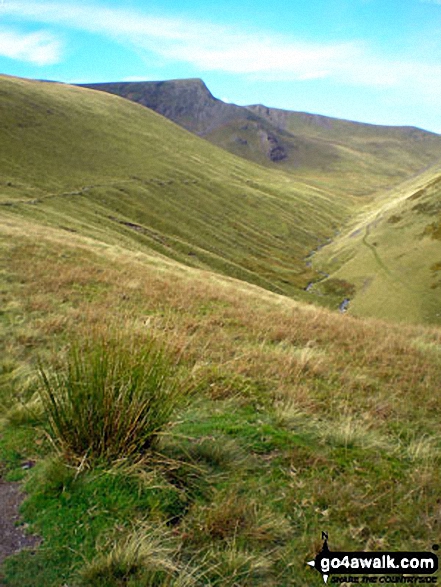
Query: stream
[344, 305]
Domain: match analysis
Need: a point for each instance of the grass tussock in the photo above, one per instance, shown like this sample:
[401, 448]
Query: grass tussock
[144, 557]
[148, 557]
[109, 399]
[232, 566]
[232, 516]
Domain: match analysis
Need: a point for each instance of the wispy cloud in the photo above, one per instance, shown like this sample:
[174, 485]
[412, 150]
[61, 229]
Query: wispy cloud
[265, 57]
[40, 48]
[205, 45]
[210, 47]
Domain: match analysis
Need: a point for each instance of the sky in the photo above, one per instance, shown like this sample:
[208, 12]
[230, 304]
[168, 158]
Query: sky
[376, 61]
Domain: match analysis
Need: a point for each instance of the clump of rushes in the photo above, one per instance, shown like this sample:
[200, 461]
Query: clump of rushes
[109, 399]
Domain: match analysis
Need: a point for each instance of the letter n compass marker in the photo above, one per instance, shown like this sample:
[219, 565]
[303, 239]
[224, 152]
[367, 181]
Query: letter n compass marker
[324, 551]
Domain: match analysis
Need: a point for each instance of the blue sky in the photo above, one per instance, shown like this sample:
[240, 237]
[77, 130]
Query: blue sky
[375, 61]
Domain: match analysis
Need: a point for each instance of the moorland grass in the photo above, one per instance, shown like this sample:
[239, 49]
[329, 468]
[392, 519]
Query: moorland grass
[144, 183]
[354, 158]
[110, 398]
[144, 557]
[303, 420]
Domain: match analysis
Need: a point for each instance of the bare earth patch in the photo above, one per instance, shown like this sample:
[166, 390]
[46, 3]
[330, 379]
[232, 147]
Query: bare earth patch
[12, 537]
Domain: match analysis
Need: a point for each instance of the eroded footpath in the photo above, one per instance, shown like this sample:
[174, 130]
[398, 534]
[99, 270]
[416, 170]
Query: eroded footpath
[13, 537]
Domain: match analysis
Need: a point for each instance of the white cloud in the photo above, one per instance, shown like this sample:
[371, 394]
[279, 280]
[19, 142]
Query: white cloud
[40, 48]
[210, 47]
[408, 77]
[205, 45]
[266, 57]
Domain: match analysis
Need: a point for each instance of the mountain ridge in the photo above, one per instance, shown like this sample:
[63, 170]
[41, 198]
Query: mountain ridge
[363, 158]
[199, 84]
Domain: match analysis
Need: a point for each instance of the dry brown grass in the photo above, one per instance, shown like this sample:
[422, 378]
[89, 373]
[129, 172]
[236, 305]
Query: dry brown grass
[293, 352]
[359, 395]
[233, 516]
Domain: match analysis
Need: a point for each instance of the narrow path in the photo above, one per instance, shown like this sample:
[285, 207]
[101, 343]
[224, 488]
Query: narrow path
[12, 536]
[374, 251]
[395, 277]
[79, 192]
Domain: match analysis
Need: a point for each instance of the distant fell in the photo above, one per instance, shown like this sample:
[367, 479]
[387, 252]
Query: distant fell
[361, 158]
[188, 102]
[95, 164]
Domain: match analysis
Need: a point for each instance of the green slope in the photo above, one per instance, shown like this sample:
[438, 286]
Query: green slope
[392, 255]
[301, 420]
[357, 159]
[368, 157]
[105, 167]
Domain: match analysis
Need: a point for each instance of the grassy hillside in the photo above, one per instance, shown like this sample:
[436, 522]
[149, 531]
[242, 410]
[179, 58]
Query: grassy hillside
[102, 166]
[115, 224]
[355, 158]
[302, 420]
[391, 255]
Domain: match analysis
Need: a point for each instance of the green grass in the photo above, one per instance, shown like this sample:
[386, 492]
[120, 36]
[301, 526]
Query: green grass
[346, 157]
[80, 514]
[255, 522]
[302, 420]
[158, 188]
[123, 175]
[390, 255]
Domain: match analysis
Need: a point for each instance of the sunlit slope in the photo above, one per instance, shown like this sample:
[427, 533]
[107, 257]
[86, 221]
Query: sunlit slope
[96, 164]
[354, 158]
[301, 418]
[392, 255]
[304, 416]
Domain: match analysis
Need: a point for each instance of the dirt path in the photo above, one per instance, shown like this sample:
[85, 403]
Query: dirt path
[374, 251]
[12, 537]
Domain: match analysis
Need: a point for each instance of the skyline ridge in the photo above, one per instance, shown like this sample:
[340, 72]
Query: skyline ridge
[369, 60]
